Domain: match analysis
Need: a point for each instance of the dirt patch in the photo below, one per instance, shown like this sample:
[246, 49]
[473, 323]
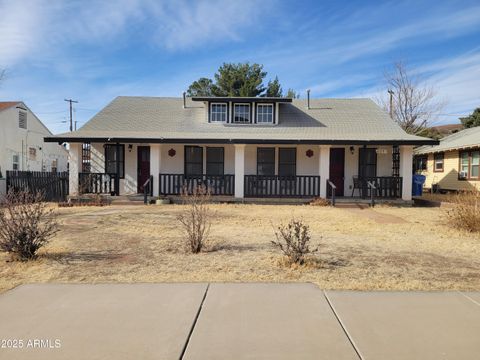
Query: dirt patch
[385, 248]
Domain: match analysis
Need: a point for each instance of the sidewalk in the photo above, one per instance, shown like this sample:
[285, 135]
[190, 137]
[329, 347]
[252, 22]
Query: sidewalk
[235, 321]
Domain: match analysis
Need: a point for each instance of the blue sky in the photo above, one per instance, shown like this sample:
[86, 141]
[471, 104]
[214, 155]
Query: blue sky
[93, 51]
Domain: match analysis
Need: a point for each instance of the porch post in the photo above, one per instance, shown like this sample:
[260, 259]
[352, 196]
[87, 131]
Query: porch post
[155, 166]
[239, 169]
[74, 167]
[324, 168]
[406, 163]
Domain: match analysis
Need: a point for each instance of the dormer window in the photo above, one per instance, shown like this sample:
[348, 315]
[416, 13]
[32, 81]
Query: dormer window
[218, 112]
[241, 113]
[264, 113]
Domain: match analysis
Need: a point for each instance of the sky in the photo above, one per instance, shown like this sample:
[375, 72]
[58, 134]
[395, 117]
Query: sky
[93, 51]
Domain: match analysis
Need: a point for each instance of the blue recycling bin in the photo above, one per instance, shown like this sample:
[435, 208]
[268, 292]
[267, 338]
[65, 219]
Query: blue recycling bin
[417, 186]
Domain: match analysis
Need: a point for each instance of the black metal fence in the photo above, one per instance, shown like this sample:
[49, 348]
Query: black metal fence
[54, 186]
[282, 186]
[174, 184]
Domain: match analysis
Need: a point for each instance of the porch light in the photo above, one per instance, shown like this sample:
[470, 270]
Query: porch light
[130, 147]
[352, 150]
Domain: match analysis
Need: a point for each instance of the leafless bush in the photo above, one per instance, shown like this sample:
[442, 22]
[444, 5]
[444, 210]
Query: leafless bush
[465, 213]
[293, 239]
[320, 202]
[26, 224]
[196, 218]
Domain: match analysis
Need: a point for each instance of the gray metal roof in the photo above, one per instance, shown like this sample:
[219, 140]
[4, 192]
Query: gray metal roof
[164, 119]
[463, 139]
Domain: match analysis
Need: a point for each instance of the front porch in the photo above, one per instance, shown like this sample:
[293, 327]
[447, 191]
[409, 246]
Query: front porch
[243, 171]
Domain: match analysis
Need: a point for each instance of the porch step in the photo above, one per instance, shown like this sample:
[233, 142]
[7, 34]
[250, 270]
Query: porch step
[351, 205]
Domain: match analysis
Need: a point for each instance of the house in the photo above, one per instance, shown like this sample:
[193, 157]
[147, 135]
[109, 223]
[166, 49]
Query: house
[242, 147]
[22, 145]
[454, 163]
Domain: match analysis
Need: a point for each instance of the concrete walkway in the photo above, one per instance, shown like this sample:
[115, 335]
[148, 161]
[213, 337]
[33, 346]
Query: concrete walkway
[235, 321]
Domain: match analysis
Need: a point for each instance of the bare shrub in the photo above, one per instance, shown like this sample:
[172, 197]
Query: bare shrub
[293, 239]
[465, 213]
[26, 224]
[196, 218]
[320, 202]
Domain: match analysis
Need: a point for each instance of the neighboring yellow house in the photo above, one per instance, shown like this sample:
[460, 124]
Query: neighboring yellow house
[453, 164]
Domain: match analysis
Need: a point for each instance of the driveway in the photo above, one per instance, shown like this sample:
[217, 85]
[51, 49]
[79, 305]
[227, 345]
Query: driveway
[235, 321]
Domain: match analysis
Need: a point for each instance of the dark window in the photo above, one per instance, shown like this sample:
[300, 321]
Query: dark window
[367, 163]
[438, 162]
[287, 162]
[420, 163]
[193, 160]
[22, 119]
[215, 160]
[115, 158]
[266, 161]
[86, 158]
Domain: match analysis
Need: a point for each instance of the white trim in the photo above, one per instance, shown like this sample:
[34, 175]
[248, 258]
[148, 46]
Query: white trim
[272, 118]
[211, 112]
[249, 114]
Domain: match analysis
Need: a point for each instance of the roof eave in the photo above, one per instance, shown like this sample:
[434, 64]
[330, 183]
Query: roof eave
[62, 139]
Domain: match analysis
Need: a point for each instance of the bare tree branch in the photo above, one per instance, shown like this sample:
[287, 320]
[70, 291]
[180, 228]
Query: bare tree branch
[414, 102]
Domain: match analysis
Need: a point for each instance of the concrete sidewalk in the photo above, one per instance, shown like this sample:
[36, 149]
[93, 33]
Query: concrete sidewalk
[235, 321]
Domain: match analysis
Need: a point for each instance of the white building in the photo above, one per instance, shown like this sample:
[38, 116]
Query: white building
[22, 145]
[242, 147]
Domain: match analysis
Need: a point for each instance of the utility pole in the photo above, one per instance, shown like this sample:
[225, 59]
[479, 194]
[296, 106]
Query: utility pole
[391, 102]
[71, 120]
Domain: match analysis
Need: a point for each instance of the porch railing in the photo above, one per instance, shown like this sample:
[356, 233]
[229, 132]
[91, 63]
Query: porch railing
[175, 184]
[96, 183]
[282, 186]
[385, 186]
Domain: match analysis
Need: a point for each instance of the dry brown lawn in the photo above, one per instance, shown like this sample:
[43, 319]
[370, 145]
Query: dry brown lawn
[385, 248]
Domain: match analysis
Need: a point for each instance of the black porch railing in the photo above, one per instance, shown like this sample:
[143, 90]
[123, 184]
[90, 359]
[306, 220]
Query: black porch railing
[97, 183]
[389, 187]
[175, 184]
[281, 186]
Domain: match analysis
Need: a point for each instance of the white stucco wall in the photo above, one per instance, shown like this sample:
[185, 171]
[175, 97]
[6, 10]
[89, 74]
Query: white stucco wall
[17, 141]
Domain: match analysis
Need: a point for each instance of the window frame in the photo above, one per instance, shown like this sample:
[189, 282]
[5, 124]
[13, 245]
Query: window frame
[280, 163]
[442, 155]
[192, 162]
[423, 160]
[259, 105]
[249, 113]
[210, 117]
[122, 161]
[15, 164]
[362, 163]
[469, 164]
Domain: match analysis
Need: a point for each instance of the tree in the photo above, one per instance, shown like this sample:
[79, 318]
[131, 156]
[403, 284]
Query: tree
[201, 87]
[238, 79]
[292, 94]
[471, 120]
[413, 101]
[274, 89]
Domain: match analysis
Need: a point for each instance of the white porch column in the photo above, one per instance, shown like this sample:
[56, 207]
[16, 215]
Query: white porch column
[74, 167]
[156, 166]
[406, 162]
[324, 168]
[239, 169]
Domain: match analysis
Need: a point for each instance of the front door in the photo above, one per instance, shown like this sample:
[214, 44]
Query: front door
[337, 170]
[143, 166]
